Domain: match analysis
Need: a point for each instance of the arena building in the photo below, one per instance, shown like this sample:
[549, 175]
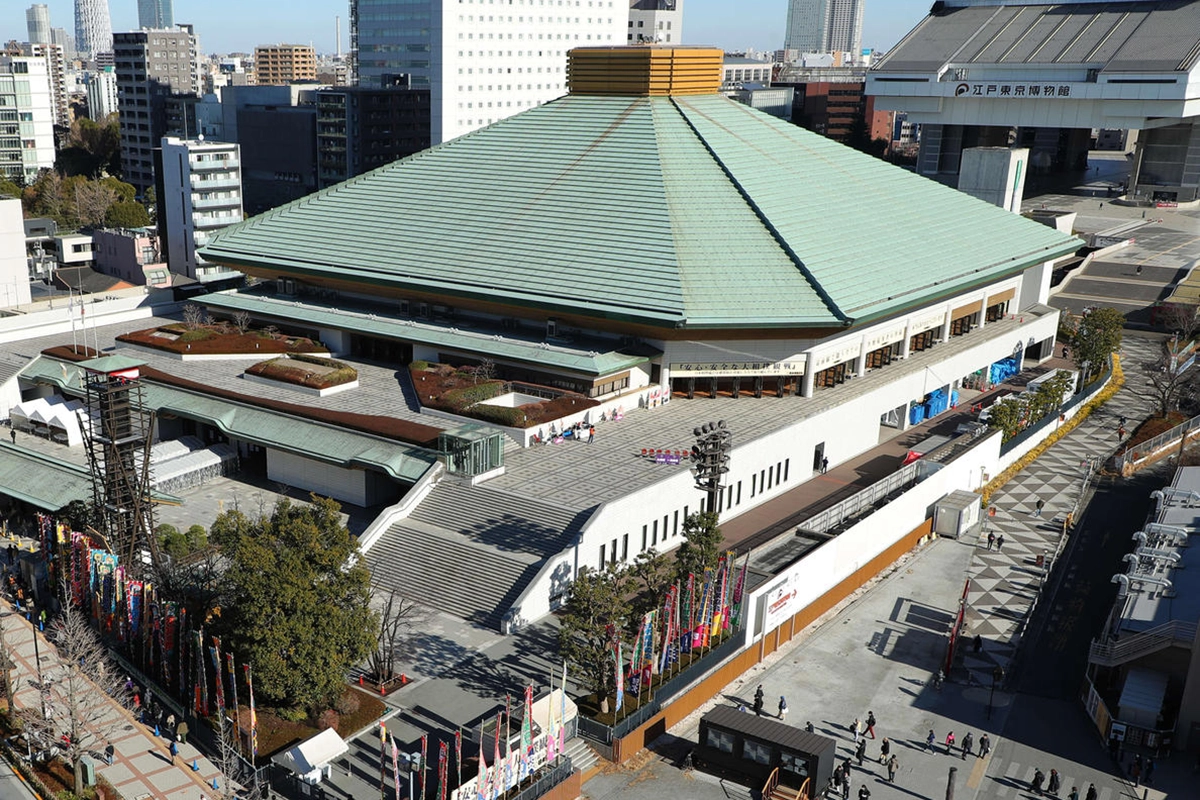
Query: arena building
[1042, 75]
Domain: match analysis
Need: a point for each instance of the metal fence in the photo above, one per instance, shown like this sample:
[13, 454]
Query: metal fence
[1143, 450]
[714, 658]
[853, 507]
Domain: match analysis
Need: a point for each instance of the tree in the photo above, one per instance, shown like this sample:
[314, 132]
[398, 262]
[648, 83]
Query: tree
[193, 316]
[91, 200]
[1171, 384]
[593, 618]
[399, 619]
[1008, 414]
[299, 600]
[126, 214]
[241, 321]
[1094, 336]
[78, 716]
[1180, 319]
[701, 548]
[81, 515]
[8, 188]
[655, 572]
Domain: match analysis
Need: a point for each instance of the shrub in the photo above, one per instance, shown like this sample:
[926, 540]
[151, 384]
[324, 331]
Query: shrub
[419, 366]
[467, 396]
[328, 719]
[509, 417]
[196, 335]
[348, 703]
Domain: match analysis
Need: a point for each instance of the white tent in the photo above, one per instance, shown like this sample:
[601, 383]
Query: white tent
[22, 414]
[309, 757]
[64, 420]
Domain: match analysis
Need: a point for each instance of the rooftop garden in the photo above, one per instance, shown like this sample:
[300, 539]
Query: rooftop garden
[313, 372]
[200, 334]
[466, 391]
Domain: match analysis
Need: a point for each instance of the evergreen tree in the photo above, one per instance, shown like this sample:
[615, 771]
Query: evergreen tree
[701, 548]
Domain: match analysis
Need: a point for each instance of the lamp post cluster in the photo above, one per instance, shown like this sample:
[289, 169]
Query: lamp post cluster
[710, 459]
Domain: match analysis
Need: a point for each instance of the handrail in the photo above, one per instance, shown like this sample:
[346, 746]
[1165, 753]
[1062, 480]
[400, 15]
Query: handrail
[769, 786]
[1143, 450]
[394, 513]
[1112, 653]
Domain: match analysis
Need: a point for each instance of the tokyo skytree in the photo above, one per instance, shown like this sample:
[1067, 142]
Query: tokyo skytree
[93, 28]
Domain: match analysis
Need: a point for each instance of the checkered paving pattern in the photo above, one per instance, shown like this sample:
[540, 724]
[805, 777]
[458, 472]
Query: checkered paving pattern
[1005, 579]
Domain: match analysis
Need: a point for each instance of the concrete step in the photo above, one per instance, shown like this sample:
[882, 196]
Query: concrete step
[582, 756]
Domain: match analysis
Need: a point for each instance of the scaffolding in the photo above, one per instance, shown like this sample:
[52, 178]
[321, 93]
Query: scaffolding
[118, 448]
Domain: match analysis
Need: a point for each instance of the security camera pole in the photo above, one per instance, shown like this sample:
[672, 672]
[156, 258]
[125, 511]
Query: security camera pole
[710, 460]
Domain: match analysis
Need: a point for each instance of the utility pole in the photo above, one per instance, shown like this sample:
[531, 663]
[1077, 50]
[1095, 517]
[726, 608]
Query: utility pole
[950, 783]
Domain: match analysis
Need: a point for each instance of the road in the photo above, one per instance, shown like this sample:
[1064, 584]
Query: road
[11, 785]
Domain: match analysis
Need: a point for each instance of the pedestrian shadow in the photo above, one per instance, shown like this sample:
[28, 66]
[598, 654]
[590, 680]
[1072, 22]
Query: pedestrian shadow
[161, 756]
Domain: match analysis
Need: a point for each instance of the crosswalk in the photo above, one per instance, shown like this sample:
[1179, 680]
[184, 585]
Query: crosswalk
[1014, 781]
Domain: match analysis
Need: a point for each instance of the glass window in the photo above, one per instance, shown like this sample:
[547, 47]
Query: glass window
[757, 752]
[720, 740]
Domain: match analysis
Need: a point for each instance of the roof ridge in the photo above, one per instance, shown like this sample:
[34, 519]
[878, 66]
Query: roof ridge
[759, 212]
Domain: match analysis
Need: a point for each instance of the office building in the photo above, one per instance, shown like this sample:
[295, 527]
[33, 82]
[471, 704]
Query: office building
[156, 14]
[658, 21]
[360, 128]
[26, 117]
[93, 28]
[150, 65]
[825, 26]
[279, 64]
[131, 255]
[830, 100]
[37, 19]
[14, 273]
[101, 93]
[59, 36]
[479, 66]
[56, 67]
[200, 192]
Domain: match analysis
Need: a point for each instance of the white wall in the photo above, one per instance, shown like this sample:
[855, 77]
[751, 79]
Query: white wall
[348, 485]
[14, 272]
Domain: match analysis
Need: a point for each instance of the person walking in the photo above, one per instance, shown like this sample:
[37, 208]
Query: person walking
[1073, 794]
[991, 540]
[824, 464]
[1035, 785]
[967, 743]
[854, 729]
[1038, 506]
[1091, 792]
[949, 742]
[985, 745]
[861, 751]
[808, 726]
[1148, 776]
[174, 750]
[1054, 782]
[884, 750]
[929, 740]
[999, 542]
[171, 725]
[836, 780]
[758, 701]
[181, 732]
[1136, 772]
[783, 709]
[864, 793]
[893, 765]
[871, 723]
[591, 433]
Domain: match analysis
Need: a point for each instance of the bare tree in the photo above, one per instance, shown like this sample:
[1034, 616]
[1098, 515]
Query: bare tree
[1170, 382]
[399, 619]
[92, 201]
[193, 316]
[7, 665]
[1180, 319]
[241, 321]
[78, 693]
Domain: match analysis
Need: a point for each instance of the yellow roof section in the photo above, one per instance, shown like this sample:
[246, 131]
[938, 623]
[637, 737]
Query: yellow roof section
[645, 70]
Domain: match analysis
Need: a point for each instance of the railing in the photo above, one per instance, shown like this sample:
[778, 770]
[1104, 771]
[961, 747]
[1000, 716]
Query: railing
[852, 507]
[1130, 646]
[1143, 450]
[398, 511]
[606, 734]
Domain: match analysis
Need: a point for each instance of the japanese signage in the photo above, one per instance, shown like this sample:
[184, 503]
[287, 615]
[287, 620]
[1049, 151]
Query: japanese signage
[838, 356]
[1011, 90]
[885, 337]
[735, 368]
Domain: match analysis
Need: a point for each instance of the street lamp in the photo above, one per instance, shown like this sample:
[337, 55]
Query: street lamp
[710, 459]
[997, 677]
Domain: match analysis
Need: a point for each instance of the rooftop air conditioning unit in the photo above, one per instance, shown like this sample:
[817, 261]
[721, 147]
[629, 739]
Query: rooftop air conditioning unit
[552, 327]
[403, 306]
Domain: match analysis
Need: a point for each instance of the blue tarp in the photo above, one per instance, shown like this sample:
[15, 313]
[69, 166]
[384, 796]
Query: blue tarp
[1004, 369]
[916, 414]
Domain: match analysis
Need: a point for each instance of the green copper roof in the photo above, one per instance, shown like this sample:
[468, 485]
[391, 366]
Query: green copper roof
[507, 346]
[111, 364]
[268, 428]
[693, 212]
[43, 482]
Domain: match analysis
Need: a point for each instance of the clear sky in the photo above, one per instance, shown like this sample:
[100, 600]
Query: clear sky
[238, 25]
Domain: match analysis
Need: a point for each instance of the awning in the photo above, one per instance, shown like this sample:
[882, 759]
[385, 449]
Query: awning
[312, 754]
[1142, 697]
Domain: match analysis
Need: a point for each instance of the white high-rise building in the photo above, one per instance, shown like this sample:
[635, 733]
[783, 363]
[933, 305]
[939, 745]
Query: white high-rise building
[14, 270]
[37, 18]
[655, 21]
[27, 125]
[56, 66]
[93, 28]
[482, 61]
[201, 193]
[825, 26]
[156, 14]
[101, 93]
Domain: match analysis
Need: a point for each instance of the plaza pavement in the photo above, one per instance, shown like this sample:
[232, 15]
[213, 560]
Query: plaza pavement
[878, 650]
[141, 765]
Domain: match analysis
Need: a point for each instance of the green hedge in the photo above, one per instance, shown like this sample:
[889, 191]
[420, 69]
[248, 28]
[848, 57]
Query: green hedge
[467, 396]
[501, 415]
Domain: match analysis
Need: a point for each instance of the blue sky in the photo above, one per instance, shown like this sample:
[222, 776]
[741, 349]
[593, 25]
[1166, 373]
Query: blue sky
[238, 25]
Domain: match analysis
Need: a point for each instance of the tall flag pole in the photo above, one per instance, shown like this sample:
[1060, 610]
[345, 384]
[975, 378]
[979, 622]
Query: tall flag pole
[215, 652]
[619, 669]
[458, 753]
[527, 734]
[383, 750]
[443, 769]
[480, 792]
[237, 709]
[562, 717]
[508, 770]
[253, 715]
[498, 778]
[424, 780]
[396, 765]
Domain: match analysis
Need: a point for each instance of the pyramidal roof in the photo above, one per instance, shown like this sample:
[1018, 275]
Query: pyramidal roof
[676, 210]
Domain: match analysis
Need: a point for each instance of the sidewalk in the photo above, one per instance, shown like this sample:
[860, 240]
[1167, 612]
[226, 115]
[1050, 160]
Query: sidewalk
[142, 766]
